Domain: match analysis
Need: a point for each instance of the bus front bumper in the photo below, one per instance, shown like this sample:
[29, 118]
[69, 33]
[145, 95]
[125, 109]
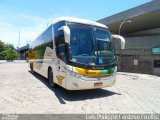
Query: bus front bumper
[75, 83]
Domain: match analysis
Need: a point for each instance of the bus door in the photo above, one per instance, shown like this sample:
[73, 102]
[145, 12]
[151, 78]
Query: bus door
[61, 64]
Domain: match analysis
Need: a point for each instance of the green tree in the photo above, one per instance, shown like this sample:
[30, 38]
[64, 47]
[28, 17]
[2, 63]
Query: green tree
[1, 49]
[9, 52]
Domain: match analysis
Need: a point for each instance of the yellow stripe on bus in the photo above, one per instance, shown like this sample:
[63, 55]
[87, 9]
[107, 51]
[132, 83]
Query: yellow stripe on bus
[90, 72]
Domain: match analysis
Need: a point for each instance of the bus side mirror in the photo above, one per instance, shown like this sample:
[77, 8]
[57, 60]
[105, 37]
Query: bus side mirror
[118, 37]
[66, 33]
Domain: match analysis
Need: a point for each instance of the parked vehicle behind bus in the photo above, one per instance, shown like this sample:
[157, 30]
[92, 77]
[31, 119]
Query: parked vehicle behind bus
[75, 54]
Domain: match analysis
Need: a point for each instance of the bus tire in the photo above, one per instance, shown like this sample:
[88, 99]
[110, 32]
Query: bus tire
[50, 78]
[31, 67]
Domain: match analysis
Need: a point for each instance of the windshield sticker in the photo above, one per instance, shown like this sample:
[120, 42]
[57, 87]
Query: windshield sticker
[100, 61]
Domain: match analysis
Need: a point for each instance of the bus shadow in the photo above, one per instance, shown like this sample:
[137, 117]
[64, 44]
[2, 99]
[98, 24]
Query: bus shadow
[78, 95]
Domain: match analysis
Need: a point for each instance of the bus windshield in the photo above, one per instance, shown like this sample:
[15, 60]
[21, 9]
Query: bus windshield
[90, 45]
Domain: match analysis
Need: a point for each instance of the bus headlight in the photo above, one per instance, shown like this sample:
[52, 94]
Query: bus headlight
[74, 74]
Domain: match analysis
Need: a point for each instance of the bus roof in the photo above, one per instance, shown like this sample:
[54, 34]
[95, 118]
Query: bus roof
[79, 20]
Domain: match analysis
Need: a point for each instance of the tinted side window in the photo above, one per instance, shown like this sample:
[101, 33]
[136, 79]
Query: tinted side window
[43, 41]
[48, 34]
[59, 41]
[59, 35]
[48, 40]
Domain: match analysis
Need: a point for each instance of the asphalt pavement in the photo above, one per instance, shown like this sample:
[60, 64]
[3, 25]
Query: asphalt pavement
[24, 92]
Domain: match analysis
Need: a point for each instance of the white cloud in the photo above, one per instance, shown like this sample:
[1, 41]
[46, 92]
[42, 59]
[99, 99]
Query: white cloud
[9, 32]
[30, 27]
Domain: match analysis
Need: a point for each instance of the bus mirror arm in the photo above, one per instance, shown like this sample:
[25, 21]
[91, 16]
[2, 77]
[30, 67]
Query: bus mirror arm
[66, 33]
[118, 37]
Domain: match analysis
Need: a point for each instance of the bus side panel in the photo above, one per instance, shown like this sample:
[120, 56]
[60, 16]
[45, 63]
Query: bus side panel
[60, 76]
[41, 65]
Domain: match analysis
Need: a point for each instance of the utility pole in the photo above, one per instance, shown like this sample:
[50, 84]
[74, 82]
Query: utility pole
[19, 40]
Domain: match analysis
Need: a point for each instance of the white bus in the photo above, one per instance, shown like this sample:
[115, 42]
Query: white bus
[75, 54]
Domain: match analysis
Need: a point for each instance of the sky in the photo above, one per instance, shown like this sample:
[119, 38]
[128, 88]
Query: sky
[28, 18]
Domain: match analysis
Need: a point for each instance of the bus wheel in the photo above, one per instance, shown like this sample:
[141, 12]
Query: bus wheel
[31, 67]
[50, 78]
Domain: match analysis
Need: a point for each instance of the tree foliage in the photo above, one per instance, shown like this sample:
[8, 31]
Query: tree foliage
[1, 49]
[9, 52]
[1, 46]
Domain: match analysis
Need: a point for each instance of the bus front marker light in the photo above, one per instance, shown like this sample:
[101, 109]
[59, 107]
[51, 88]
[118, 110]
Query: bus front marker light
[74, 74]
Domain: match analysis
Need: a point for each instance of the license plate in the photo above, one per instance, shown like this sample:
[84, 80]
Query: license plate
[98, 84]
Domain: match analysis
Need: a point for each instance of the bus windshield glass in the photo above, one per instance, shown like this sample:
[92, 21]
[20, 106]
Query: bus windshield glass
[90, 45]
